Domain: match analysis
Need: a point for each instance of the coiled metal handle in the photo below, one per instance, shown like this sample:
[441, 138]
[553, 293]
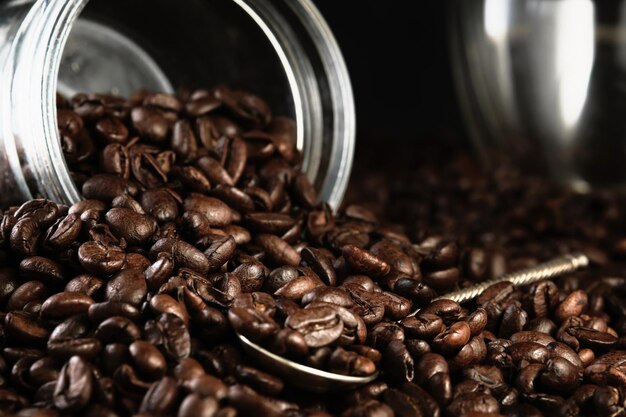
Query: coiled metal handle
[551, 269]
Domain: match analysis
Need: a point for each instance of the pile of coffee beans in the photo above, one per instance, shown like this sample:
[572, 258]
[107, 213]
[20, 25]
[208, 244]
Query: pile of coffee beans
[197, 222]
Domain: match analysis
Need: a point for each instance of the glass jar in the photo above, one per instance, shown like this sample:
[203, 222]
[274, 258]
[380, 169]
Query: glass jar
[281, 50]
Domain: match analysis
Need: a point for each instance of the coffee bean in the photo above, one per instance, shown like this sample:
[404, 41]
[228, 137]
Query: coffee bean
[532, 336]
[112, 130]
[84, 283]
[65, 304]
[321, 264]
[100, 311]
[150, 123]
[42, 269]
[277, 251]
[259, 381]
[219, 252]
[573, 305]
[25, 329]
[74, 386]
[106, 187]
[303, 191]
[195, 406]
[127, 286]
[365, 262]
[25, 236]
[216, 212]
[184, 254]
[63, 232]
[134, 227]
[162, 203]
[592, 338]
[528, 351]
[452, 339]
[117, 329]
[397, 362]
[169, 332]
[161, 397]
[99, 259]
[163, 303]
[320, 326]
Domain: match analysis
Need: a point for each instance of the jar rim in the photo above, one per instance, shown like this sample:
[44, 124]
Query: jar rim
[52, 22]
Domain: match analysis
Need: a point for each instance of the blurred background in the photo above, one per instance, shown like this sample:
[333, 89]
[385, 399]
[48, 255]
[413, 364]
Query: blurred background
[398, 57]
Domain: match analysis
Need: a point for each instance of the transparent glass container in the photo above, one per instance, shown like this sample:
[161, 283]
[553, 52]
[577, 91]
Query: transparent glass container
[281, 50]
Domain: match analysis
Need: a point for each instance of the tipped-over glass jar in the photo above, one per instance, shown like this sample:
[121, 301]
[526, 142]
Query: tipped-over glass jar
[281, 50]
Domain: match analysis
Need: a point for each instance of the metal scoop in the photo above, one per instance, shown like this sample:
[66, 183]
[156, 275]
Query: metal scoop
[312, 379]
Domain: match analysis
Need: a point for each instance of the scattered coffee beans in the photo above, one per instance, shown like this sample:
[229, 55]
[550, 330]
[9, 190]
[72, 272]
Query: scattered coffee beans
[197, 222]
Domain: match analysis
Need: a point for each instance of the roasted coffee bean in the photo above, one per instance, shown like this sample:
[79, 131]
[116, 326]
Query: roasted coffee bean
[467, 404]
[363, 261]
[150, 123]
[42, 269]
[320, 326]
[448, 310]
[84, 283]
[99, 312]
[65, 304]
[381, 334]
[251, 276]
[106, 187]
[162, 203]
[496, 292]
[532, 336]
[112, 130]
[159, 271]
[74, 386]
[397, 362]
[560, 375]
[127, 286]
[44, 370]
[277, 251]
[248, 402]
[541, 325]
[220, 251]
[28, 292]
[25, 236]
[529, 352]
[321, 264]
[25, 329]
[573, 305]
[330, 295]
[161, 397]
[115, 159]
[592, 338]
[542, 298]
[135, 228]
[163, 303]
[216, 212]
[473, 352]
[512, 321]
[184, 254]
[170, 333]
[261, 382]
[117, 329]
[452, 339]
[99, 259]
[196, 406]
[63, 232]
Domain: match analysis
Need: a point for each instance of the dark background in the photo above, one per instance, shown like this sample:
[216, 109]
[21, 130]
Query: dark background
[398, 57]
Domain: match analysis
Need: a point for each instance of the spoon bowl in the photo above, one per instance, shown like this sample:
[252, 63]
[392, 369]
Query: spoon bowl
[316, 380]
[305, 377]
